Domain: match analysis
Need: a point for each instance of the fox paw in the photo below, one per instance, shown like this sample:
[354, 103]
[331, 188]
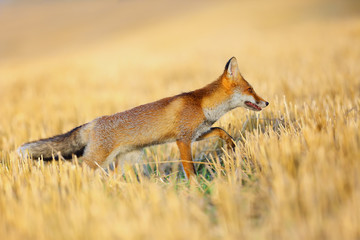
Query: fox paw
[230, 146]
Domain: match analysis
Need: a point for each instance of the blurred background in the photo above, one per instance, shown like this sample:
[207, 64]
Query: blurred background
[33, 29]
[157, 33]
[295, 174]
[162, 30]
[71, 61]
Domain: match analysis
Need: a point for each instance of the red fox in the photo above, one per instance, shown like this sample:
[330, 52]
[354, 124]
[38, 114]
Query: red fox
[183, 118]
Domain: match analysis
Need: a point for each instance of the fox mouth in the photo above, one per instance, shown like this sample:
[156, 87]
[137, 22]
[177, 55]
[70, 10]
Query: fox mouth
[252, 106]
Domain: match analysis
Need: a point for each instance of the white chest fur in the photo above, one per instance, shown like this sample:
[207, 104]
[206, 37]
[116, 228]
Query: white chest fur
[203, 128]
[214, 113]
[211, 115]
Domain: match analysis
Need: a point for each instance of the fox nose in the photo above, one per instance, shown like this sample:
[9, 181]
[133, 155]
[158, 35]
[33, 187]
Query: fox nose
[266, 103]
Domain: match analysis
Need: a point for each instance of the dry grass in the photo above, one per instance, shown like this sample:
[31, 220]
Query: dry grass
[294, 174]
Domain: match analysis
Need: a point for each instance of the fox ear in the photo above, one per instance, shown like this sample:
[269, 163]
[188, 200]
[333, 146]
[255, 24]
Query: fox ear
[232, 68]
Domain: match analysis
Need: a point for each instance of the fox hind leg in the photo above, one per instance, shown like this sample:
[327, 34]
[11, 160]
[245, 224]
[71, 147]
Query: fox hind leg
[128, 158]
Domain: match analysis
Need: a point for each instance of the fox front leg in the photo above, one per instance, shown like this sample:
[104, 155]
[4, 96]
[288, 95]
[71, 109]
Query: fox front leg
[186, 159]
[221, 133]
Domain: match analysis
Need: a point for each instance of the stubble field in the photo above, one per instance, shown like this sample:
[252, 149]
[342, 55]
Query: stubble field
[295, 170]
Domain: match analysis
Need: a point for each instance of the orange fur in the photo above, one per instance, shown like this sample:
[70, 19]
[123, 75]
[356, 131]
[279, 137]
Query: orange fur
[182, 118]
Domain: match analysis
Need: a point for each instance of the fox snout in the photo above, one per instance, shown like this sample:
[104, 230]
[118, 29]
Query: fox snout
[258, 106]
[262, 103]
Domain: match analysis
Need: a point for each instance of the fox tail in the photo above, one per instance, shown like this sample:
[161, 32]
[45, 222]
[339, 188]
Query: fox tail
[67, 144]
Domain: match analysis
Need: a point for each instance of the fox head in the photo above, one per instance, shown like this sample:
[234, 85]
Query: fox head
[241, 92]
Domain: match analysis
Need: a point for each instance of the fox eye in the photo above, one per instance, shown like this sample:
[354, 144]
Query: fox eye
[250, 89]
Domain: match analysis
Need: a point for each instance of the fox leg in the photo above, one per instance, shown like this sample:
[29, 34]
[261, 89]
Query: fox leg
[185, 156]
[129, 158]
[88, 162]
[221, 133]
[93, 158]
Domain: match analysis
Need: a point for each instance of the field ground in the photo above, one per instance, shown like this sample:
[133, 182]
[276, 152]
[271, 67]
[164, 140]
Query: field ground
[295, 170]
